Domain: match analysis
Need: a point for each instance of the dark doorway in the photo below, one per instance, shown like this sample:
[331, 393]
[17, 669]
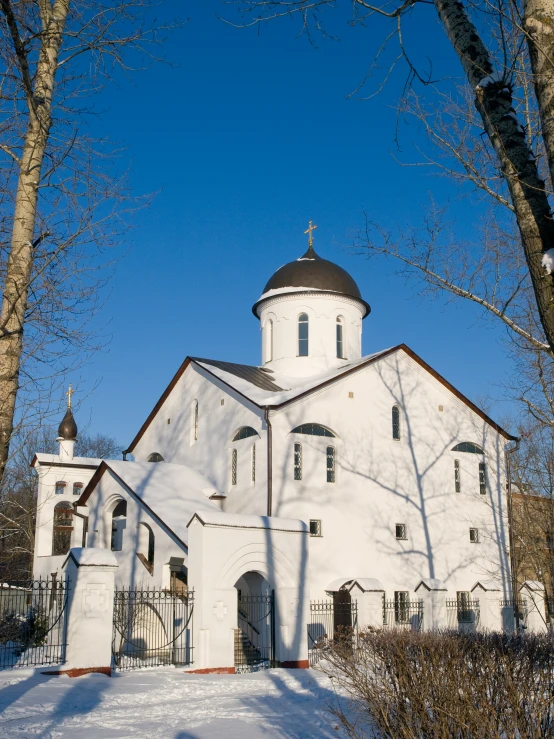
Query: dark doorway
[342, 612]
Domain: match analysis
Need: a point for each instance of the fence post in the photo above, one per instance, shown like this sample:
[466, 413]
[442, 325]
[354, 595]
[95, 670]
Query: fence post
[533, 593]
[370, 604]
[490, 609]
[433, 594]
[90, 578]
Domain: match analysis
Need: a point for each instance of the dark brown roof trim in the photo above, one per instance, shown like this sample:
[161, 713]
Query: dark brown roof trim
[425, 366]
[168, 390]
[64, 464]
[87, 492]
[324, 384]
[158, 405]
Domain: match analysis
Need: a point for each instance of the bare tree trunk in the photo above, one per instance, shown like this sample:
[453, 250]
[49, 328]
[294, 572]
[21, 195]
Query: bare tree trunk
[20, 263]
[538, 22]
[493, 99]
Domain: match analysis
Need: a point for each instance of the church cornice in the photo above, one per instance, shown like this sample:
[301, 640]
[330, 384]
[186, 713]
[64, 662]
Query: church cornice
[311, 294]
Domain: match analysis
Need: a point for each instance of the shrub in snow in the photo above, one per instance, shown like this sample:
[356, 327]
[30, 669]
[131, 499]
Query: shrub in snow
[409, 685]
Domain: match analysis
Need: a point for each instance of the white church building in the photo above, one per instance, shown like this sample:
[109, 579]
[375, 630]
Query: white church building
[320, 472]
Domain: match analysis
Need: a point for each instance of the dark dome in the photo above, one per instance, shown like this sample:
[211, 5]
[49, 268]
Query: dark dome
[68, 428]
[311, 271]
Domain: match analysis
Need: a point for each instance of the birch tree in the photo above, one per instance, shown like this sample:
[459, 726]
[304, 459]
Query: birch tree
[62, 199]
[489, 40]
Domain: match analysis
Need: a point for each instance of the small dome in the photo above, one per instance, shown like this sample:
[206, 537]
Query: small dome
[155, 457]
[68, 428]
[311, 272]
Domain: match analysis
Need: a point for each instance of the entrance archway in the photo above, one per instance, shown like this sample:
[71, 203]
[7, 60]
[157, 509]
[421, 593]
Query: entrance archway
[255, 633]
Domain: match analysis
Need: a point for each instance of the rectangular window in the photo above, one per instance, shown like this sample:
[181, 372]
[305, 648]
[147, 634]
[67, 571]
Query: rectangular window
[315, 528]
[474, 536]
[234, 465]
[298, 461]
[77, 488]
[330, 464]
[482, 478]
[60, 488]
[401, 531]
[457, 481]
[303, 335]
[401, 606]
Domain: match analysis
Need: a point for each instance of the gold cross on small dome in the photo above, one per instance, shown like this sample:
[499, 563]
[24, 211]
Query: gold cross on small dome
[69, 393]
[311, 228]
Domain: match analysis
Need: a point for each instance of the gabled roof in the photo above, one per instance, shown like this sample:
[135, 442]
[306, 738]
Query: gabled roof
[268, 389]
[172, 493]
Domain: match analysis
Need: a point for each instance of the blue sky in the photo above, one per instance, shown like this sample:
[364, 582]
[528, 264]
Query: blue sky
[244, 139]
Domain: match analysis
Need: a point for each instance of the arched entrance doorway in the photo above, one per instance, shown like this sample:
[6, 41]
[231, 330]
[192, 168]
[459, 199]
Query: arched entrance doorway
[255, 633]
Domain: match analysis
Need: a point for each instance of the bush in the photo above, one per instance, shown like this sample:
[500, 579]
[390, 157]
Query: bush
[409, 685]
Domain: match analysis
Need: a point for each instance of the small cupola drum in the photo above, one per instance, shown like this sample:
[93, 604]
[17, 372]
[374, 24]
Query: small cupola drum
[311, 313]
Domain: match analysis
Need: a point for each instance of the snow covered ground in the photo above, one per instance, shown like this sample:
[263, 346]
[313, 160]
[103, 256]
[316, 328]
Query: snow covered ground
[168, 703]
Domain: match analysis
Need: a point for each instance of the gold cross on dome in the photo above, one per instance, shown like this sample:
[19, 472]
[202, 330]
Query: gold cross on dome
[310, 231]
[69, 393]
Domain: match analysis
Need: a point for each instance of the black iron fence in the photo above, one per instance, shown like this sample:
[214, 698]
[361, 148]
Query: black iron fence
[152, 627]
[255, 636]
[462, 614]
[32, 623]
[403, 614]
[329, 620]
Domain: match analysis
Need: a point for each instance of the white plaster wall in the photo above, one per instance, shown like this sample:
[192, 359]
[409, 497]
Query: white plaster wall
[131, 571]
[210, 454]
[44, 563]
[322, 311]
[381, 482]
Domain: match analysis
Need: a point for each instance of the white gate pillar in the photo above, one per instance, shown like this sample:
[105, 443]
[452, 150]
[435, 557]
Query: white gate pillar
[533, 593]
[433, 594]
[368, 593]
[490, 611]
[90, 580]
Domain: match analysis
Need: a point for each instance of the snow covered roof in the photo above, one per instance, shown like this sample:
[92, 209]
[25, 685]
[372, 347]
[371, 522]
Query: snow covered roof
[54, 460]
[238, 521]
[92, 557]
[172, 492]
[275, 388]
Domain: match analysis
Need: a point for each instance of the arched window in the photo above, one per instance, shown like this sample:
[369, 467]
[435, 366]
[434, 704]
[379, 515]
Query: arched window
[60, 487]
[330, 464]
[146, 547]
[77, 488]
[313, 429]
[119, 519]
[298, 461]
[469, 447]
[340, 337]
[457, 480]
[155, 457]
[303, 333]
[194, 421]
[234, 466]
[63, 526]
[253, 463]
[244, 433]
[396, 423]
[269, 341]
